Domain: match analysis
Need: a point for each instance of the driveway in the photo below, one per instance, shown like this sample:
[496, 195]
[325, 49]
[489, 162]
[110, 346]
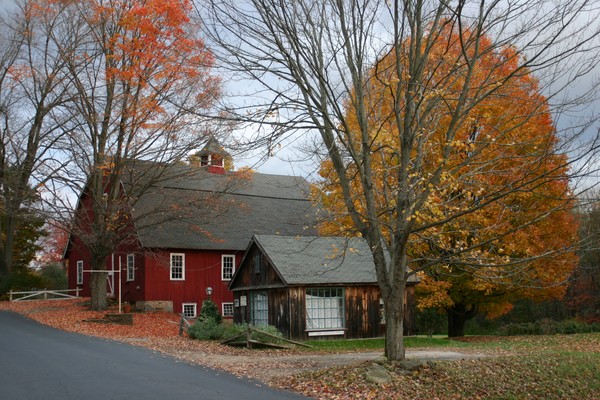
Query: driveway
[39, 362]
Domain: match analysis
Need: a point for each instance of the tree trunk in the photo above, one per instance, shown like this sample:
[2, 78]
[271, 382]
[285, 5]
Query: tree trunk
[394, 328]
[98, 290]
[457, 316]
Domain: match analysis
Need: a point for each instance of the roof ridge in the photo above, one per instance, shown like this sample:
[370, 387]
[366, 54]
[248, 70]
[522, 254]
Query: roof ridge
[233, 193]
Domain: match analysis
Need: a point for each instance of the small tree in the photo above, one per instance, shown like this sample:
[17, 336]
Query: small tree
[140, 78]
[210, 311]
[32, 90]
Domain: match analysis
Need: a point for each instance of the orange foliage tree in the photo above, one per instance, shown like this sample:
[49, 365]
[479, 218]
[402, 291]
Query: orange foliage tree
[491, 218]
[141, 79]
[419, 107]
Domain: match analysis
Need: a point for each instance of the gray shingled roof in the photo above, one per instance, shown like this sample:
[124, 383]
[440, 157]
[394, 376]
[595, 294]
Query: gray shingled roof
[204, 211]
[319, 260]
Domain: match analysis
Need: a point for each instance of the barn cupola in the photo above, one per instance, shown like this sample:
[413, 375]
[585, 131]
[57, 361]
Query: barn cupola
[212, 157]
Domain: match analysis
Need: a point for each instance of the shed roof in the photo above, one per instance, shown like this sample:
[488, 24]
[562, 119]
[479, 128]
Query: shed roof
[319, 260]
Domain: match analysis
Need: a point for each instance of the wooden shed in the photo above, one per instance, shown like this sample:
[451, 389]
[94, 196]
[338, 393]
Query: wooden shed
[312, 287]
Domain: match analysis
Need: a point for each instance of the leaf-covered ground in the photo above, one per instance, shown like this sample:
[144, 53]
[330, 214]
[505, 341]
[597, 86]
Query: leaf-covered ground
[533, 367]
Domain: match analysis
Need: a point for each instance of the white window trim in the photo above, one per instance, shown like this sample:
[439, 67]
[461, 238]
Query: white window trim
[326, 333]
[195, 305]
[321, 314]
[223, 256]
[130, 276]
[80, 272]
[223, 309]
[182, 266]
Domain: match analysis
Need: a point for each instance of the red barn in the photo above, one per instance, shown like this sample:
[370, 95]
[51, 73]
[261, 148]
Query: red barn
[176, 254]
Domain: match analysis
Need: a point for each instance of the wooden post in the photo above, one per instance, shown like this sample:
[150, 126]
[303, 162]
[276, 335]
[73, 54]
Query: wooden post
[10, 297]
[181, 325]
[249, 338]
[45, 294]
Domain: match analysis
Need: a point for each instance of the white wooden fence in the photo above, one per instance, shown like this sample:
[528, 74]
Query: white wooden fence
[44, 294]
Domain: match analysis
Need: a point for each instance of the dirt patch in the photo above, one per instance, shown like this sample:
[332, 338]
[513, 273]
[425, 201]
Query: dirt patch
[270, 366]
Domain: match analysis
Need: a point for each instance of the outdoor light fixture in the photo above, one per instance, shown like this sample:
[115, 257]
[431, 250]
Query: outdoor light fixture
[208, 291]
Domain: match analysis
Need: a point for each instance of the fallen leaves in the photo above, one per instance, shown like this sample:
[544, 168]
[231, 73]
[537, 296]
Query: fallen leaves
[524, 367]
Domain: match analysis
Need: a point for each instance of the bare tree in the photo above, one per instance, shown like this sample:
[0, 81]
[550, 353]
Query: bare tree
[139, 77]
[326, 66]
[32, 89]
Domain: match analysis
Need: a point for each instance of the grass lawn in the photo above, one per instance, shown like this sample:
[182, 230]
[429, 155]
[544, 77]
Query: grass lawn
[520, 367]
[379, 343]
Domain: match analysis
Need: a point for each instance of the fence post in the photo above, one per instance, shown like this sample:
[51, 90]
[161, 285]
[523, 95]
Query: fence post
[45, 294]
[181, 325]
[10, 295]
[249, 338]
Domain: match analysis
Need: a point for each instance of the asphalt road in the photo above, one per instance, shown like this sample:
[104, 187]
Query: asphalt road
[40, 362]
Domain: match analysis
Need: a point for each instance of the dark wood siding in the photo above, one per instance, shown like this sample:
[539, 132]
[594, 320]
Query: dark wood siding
[410, 309]
[287, 305]
[362, 312]
[297, 307]
[251, 277]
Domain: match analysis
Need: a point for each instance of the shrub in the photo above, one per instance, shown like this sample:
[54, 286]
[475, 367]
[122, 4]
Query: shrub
[237, 329]
[548, 326]
[206, 329]
[210, 310]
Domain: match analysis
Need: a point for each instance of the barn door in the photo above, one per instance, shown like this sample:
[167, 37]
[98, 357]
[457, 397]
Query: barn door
[110, 284]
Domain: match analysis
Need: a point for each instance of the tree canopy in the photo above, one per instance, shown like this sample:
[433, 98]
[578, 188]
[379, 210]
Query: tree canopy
[492, 220]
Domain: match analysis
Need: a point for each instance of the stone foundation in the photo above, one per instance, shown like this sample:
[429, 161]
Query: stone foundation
[157, 305]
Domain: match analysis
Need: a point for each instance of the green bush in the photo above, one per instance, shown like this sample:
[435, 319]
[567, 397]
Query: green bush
[206, 329]
[209, 329]
[210, 310]
[22, 279]
[237, 329]
[548, 326]
[54, 276]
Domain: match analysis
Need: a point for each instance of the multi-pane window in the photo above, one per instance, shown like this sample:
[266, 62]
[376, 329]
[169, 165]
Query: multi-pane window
[130, 267]
[189, 310]
[177, 267]
[80, 272]
[324, 308]
[227, 310]
[257, 263]
[227, 267]
[259, 308]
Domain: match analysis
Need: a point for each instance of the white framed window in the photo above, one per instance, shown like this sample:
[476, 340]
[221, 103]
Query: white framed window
[324, 308]
[227, 266]
[227, 310]
[177, 270]
[80, 272]
[130, 267]
[259, 308]
[189, 310]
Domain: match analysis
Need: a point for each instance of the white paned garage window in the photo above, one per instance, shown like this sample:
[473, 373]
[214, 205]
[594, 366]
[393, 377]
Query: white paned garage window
[324, 308]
